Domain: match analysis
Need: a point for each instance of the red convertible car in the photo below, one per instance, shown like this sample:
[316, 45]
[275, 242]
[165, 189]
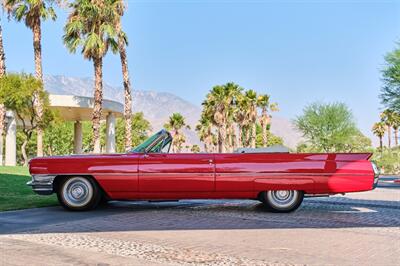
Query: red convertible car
[149, 172]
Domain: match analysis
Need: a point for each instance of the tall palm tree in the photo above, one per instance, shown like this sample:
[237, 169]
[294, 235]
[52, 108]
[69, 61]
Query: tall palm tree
[216, 106]
[242, 119]
[379, 130]
[32, 12]
[388, 117]
[91, 26]
[175, 123]
[219, 107]
[265, 118]
[396, 126]
[251, 95]
[122, 43]
[2, 108]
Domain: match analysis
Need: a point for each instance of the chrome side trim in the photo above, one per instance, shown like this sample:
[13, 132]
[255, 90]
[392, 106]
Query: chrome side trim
[42, 184]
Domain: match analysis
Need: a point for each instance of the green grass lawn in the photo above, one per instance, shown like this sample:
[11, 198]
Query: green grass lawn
[15, 194]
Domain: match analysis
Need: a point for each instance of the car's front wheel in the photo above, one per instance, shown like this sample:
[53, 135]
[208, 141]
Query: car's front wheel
[77, 193]
[282, 200]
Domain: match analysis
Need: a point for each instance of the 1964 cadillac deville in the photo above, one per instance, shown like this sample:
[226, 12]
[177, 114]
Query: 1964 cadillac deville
[149, 172]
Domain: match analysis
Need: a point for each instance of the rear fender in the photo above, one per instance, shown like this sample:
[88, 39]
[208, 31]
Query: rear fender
[284, 183]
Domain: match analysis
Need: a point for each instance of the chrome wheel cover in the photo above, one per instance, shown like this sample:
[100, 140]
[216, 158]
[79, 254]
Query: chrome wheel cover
[282, 199]
[77, 192]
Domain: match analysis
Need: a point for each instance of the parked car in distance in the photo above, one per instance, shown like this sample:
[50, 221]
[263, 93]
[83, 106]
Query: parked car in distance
[280, 180]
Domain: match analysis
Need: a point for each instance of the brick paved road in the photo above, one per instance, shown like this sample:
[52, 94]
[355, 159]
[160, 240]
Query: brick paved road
[356, 229]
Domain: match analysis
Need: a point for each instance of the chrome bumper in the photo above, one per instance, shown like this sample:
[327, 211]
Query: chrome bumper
[376, 175]
[42, 184]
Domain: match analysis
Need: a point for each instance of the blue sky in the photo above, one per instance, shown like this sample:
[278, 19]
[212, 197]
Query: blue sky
[298, 52]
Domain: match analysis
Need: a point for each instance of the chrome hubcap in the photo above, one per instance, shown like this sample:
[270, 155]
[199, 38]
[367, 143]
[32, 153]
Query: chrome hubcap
[282, 198]
[77, 191]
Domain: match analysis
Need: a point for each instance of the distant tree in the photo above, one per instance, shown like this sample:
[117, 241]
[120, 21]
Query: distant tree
[379, 129]
[204, 131]
[252, 98]
[390, 93]
[388, 117]
[358, 142]
[271, 138]
[18, 92]
[176, 123]
[266, 106]
[327, 127]
[140, 127]
[396, 126]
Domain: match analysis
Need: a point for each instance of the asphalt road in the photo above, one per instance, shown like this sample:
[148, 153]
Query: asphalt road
[358, 228]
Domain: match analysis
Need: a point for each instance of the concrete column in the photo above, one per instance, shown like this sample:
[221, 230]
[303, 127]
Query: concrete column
[11, 140]
[77, 137]
[110, 133]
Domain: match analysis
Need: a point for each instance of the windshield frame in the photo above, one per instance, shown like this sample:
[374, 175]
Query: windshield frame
[146, 146]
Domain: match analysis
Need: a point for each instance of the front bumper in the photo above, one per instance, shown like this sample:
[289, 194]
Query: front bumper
[42, 184]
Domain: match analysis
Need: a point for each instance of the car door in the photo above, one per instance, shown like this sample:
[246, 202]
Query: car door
[176, 172]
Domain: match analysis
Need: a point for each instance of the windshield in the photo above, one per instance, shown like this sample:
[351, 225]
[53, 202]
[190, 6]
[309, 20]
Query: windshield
[159, 142]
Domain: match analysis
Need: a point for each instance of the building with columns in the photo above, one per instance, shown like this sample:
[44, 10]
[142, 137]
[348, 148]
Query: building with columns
[69, 108]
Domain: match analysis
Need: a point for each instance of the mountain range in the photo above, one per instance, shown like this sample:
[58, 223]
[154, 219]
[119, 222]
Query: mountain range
[158, 106]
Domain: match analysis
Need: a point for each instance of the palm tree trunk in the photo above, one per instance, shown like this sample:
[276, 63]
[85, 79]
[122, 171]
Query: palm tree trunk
[253, 134]
[389, 130]
[37, 48]
[98, 102]
[234, 137]
[2, 55]
[396, 137]
[263, 123]
[221, 138]
[240, 136]
[127, 89]
[381, 143]
[2, 107]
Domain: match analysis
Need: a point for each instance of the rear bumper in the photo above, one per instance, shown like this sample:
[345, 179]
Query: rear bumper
[42, 184]
[376, 175]
[376, 180]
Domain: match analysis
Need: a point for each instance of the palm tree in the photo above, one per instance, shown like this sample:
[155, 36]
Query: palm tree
[122, 43]
[91, 25]
[175, 123]
[32, 12]
[251, 95]
[379, 130]
[204, 131]
[219, 107]
[396, 126]
[265, 118]
[215, 107]
[2, 108]
[388, 117]
[242, 119]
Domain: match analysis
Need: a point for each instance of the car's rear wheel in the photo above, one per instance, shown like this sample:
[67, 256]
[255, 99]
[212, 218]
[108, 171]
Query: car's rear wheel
[77, 193]
[282, 200]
